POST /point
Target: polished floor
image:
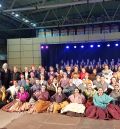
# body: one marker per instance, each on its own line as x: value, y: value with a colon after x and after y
x: 52, y: 121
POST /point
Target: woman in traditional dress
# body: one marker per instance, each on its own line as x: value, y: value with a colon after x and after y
x: 92, y: 76
x: 20, y: 101
x: 76, y: 106
x: 2, y: 96
x: 107, y: 73
x: 64, y: 83
x: 86, y: 80
x: 42, y: 102
x: 102, y: 108
x: 58, y: 101
x: 50, y: 80
x: 53, y: 87
x: 112, y: 85
x: 89, y: 93
x: 116, y: 94
x: 11, y: 95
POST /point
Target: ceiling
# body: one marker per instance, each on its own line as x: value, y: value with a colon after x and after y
x: 35, y: 14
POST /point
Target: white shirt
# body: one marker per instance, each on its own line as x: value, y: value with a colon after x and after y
x: 13, y: 89
x: 76, y: 82
x: 26, y: 75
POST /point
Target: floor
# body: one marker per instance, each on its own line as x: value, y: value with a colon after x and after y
x: 52, y: 121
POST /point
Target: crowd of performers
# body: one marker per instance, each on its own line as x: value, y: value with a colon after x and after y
x: 72, y: 91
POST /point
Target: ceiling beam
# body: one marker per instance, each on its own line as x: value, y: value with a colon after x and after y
x: 56, y: 26
x: 12, y: 4
x: 37, y: 7
x: 16, y: 19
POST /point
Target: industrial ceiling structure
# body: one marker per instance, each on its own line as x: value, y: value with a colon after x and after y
x: 18, y: 16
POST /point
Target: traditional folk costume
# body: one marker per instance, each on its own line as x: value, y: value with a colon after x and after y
x: 42, y: 102
x: 58, y: 102
x: 102, y: 109
x: 76, y: 106
x: 89, y: 96
x: 116, y: 95
x: 19, y: 104
x: 2, y: 98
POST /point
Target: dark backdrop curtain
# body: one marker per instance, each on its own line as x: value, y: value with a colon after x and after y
x: 59, y: 54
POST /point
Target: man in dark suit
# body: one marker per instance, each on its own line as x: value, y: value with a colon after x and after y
x: 5, y: 75
x: 15, y: 75
x: 26, y: 73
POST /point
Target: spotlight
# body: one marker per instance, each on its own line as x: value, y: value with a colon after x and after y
x: 116, y: 44
x: 34, y: 25
x: 23, y: 19
x: 46, y: 47
x: 98, y: 45
x: 42, y: 47
x: 26, y: 21
x: 108, y: 45
x: 75, y: 46
x: 82, y: 46
x: 91, y: 46
x: 0, y: 6
x: 16, y: 15
x: 13, y: 13
x: 67, y: 47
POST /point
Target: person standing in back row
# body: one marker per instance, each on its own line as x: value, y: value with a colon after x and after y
x: 5, y: 75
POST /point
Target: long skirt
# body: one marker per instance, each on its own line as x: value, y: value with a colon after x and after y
x: 16, y: 106
x: 110, y: 112
x: 41, y: 106
x: 58, y: 106
x: 74, y: 107
x: 8, y: 106
x: 20, y: 107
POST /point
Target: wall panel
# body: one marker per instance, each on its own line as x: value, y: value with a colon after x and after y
x: 27, y: 54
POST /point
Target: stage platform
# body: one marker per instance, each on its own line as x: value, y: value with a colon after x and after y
x: 52, y: 121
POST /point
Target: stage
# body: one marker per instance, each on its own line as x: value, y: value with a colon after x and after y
x: 52, y: 121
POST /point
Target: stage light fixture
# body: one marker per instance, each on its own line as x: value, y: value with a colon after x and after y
x: 46, y: 47
x: 26, y: 21
x: 91, y: 46
x: 42, y: 47
x: 116, y: 44
x: 108, y: 45
x: 82, y: 46
x: 98, y: 45
x: 75, y: 46
x: 13, y: 13
x: 67, y: 47
x: 16, y: 15
x: 34, y: 25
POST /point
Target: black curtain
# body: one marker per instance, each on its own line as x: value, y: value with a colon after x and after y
x: 59, y: 54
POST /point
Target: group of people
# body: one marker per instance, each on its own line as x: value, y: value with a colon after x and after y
x: 71, y: 91
x: 90, y: 64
